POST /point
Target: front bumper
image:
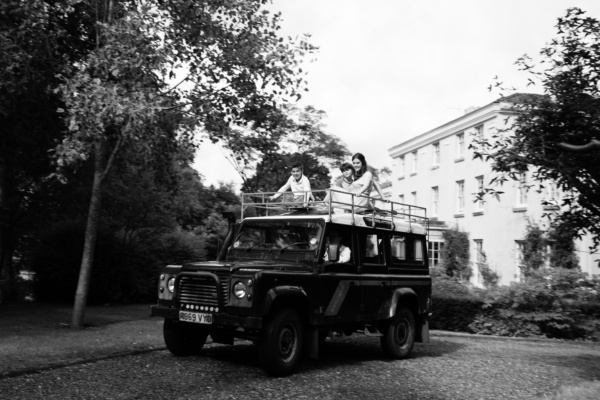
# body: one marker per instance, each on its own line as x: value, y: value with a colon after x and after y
x: 219, y: 319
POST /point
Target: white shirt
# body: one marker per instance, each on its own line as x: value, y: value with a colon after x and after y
x: 302, y: 186
x: 344, y: 256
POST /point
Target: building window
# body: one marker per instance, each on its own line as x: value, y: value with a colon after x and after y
x: 401, y: 166
x: 435, y: 197
x: 479, y: 250
x: 436, y: 154
x: 460, y: 196
x: 522, y: 189
x: 460, y: 145
x: 418, y: 249
x: 435, y: 252
x: 413, y: 198
x: 479, y: 185
x: 398, y: 245
x: 414, y: 162
x: 479, y: 132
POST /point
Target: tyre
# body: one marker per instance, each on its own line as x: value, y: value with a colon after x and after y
x: 280, y: 344
x: 183, y: 339
x: 399, y: 335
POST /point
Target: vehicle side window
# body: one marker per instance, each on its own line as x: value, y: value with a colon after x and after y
x: 418, y: 250
x: 372, y: 249
x: 343, y: 245
x: 398, y: 244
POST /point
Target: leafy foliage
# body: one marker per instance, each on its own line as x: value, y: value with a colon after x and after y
x: 556, y: 302
x: 534, y: 249
x: 455, y: 255
x: 535, y: 246
x: 489, y: 276
x: 123, y: 273
x: 563, y: 254
x: 567, y: 112
x: 299, y: 138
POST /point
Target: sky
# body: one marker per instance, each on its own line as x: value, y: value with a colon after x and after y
x: 389, y: 70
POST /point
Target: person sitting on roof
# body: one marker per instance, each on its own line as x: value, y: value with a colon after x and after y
x: 299, y: 184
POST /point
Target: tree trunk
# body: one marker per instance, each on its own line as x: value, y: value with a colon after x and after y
x: 7, y: 275
x: 91, y: 232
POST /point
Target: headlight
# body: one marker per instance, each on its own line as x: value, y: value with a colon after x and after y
x: 171, y: 284
x: 239, y: 289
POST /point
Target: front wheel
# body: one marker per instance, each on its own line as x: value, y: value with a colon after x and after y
x: 183, y: 339
x: 280, y: 344
x: 399, y: 336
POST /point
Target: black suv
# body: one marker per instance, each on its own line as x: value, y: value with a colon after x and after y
x: 291, y: 275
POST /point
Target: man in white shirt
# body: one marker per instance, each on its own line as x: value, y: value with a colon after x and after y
x: 299, y: 184
x: 344, y: 252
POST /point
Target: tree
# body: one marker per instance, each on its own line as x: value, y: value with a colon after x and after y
x: 37, y: 40
x: 563, y: 253
x: 567, y: 113
x: 237, y: 70
x: 299, y: 137
x: 455, y: 255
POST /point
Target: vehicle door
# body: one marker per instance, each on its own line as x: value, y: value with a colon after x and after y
x: 374, y: 272
x: 409, y: 267
x: 340, y: 292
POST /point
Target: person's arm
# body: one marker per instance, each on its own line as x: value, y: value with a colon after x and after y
x: 378, y: 188
x: 282, y: 189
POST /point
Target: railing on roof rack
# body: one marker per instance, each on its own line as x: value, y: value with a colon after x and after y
x: 332, y: 201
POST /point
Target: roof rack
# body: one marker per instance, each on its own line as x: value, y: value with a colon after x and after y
x: 374, y: 211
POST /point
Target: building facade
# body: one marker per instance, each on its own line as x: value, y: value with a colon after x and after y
x: 436, y: 170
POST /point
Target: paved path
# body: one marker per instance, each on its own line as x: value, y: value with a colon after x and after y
x: 451, y: 367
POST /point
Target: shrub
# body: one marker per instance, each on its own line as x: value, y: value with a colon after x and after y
x: 555, y: 303
x: 454, y: 313
x: 489, y: 276
x: 121, y: 272
x: 455, y: 254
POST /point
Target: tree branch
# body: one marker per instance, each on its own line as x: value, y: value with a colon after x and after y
x: 593, y: 144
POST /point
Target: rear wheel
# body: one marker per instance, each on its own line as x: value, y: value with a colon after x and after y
x: 183, y: 339
x: 280, y: 344
x: 399, y: 336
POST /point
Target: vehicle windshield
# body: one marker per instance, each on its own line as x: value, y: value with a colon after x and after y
x: 280, y: 236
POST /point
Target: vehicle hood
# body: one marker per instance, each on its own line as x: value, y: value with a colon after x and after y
x: 232, y: 266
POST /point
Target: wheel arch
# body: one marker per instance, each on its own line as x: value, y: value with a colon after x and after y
x: 407, y: 297
x: 286, y: 296
x: 404, y: 297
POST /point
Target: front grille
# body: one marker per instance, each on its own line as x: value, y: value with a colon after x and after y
x: 203, y: 290
x: 224, y: 278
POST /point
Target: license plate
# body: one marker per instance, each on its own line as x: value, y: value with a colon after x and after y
x: 195, y: 317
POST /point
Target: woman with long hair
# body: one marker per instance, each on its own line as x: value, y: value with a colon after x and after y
x: 364, y: 182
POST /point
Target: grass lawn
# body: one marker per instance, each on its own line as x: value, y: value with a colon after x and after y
x: 36, y: 335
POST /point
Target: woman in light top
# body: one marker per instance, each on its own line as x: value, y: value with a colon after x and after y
x: 364, y: 182
x: 361, y: 187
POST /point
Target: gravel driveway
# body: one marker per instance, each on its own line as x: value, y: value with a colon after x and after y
x: 451, y: 367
